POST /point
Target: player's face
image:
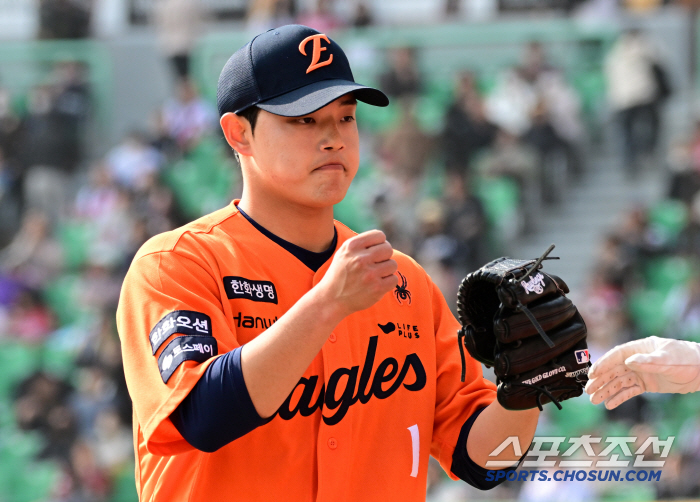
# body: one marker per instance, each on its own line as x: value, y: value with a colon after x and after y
x: 308, y: 160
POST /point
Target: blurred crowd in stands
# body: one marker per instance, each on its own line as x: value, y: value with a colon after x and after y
x: 453, y: 198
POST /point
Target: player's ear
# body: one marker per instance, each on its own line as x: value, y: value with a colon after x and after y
x: 237, y: 131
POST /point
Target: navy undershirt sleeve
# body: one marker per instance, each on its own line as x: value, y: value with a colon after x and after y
x: 466, y: 469
x: 218, y: 409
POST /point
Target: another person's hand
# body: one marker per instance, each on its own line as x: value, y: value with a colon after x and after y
x: 361, y: 273
x: 648, y: 365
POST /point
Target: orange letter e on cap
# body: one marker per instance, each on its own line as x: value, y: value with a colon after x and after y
x: 316, y: 55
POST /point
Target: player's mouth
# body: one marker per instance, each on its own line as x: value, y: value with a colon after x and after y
x: 330, y: 167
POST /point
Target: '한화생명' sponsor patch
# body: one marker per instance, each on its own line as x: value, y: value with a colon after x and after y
x: 185, y: 348
x: 249, y: 289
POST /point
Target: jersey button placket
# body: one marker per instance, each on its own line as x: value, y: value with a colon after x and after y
x: 332, y: 443
x: 333, y: 338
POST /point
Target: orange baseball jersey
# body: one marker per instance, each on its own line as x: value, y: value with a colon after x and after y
x: 382, y: 395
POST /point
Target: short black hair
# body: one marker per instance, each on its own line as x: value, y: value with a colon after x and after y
x: 251, y: 115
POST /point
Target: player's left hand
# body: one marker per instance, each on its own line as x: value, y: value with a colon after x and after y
x: 517, y: 318
x: 648, y: 365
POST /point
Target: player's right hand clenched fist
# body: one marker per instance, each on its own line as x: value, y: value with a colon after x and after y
x: 362, y: 271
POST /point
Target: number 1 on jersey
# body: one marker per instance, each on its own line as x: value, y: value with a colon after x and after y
x: 415, y: 443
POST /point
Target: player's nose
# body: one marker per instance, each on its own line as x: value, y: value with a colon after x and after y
x: 332, y: 138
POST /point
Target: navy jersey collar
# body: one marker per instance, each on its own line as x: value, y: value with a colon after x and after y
x: 312, y: 260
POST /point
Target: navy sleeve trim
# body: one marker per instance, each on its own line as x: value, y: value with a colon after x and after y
x: 466, y: 469
x: 218, y: 409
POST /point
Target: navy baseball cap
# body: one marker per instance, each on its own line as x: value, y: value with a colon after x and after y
x: 291, y: 71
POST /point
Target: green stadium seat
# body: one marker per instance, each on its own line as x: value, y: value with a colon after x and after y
x: 202, y: 181
x: 668, y: 218
x: 75, y: 238
x: 577, y: 416
x: 647, y: 311
x: 501, y: 199
x: 377, y: 119
x: 355, y: 210
x: 17, y: 361
x: 61, y: 297
x: 665, y: 274
x: 431, y: 115
x: 36, y: 481
x: 124, y: 486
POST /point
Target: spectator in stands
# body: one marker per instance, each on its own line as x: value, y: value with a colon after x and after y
x: 29, y: 320
x: 466, y: 129
x: 538, y: 89
x: 133, y: 161
x: 510, y: 103
x: 322, y: 17
x: 435, y: 249
x: 33, y: 257
x: 111, y: 237
x: 41, y: 405
x: 10, y: 199
x: 86, y: 480
x: 402, y: 79
x: 689, y: 238
x: 685, y: 323
x: 71, y: 107
x: 363, y: 15
x: 634, y: 96
x: 265, y: 14
x: 112, y: 442
x: 154, y: 204
x: 405, y: 149
x: 9, y: 126
x: 64, y: 19
x: 465, y: 222
x: 638, y: 239
x: 44, y: 158
x: 615, y: 263
x: 98, y: 197
x: 534, y: 63
x: 509, y: 157
x: 188, y: 117
x: 451, y: 8
x: 683, y: 162
x: 160, y: 138
x: 178, y: 24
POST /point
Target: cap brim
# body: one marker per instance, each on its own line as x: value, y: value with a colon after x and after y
x: 314, y: 96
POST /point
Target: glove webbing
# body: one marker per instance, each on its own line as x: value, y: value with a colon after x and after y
x: 524, y: 309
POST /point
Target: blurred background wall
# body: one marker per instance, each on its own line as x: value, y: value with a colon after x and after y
x: 512, y: 124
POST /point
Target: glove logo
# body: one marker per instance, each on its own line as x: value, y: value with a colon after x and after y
x: 534, y: 285
x: 401, y: 292
x: 582, y: 356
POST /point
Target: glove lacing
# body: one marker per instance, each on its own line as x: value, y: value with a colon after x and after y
x: 461, y: 334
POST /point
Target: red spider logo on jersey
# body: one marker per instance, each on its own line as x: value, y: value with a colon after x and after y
x: 401, y: 292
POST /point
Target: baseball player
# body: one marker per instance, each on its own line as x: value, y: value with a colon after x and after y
x: 650, y: 364
x: 273, y: 354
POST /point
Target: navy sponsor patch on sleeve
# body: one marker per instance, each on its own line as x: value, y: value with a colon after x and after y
x: 248, y: 289
x: 185, y: 322
x: 185, y: 348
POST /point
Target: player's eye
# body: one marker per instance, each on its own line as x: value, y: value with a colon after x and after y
x: 348, y: 118
x: 305, y: 120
